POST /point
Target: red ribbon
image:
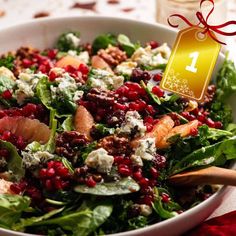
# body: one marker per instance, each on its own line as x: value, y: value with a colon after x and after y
x: 206, y: 27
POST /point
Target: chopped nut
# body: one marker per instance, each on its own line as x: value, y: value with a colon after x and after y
x: 112, y: 55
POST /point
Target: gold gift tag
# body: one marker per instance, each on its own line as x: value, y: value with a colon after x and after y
x: 191, y: 64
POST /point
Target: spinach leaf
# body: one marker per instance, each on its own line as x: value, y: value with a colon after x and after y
x: 65, y: 43
x: 81, y: 222
x: 14, y: 163
x: 87, y: 149
x: 126, y: 45
x: 7, y: 61
x: 33, y: 220
x: 120, y: 187
x: 215, y: 154
x: 11, y: 207
x: 103, y: 130
x: 151, y: 95
x: 103, y: 41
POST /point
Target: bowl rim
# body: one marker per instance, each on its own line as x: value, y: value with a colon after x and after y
x: 222, y: 191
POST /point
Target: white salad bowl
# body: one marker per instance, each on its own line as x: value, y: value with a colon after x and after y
x: 42, y: 33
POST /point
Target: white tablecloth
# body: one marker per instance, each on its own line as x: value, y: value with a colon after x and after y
x: 16, y: 11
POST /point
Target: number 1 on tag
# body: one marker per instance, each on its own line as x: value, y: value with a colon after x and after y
x: 193, y: 68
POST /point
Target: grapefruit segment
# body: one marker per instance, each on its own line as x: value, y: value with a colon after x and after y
x: 98, y: 63
x: 69, y: 60
x: 30, y: 129
x: 83, y: 121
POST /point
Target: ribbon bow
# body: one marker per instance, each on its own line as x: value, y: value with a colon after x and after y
x: 207, y: 28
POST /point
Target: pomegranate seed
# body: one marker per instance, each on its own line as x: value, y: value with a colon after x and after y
x: 133, y: 86
x: 57, y: 183
x: 165, y: 198
x: 126, y: 161
x: 210, y: 123
x: 2, y: 114
x: 52, y: 53
x: 122, y: 90
x: 137, y: 175
x: 7, y: 94
x: 149, y: 127
x: 195, y: 111
x: 43, y: 173
x: 153, y: 182
x: 150, y: 109
x: 57, y: 164
x: 20, y: 143
x: 50, y: 172
x: 50, y: 164
x: 144, y: 182
x: 153, y: 44
x: 147, y: 200
x: 26, y: 63
x: 193, y: 131
x: 201, y: 117
x: 118, y: 106
x: 148, y: 119
x: 6, y: 135
x: 90, y: 182
x: 133, y: 95
x: 124, y: 171
x: 154, y: 173
x: 48, y: 184
x: 218, y: 125
x: 142, y: 104
x: 63, y: 172
x: 4, y: 153
x: 52, y: 76
x: 65, y: 184
x: 43, y: 69
x: 83, y: 69
x: 70, y: 69
x: 134, y: 106
x: 157, y: 77
x: 157, y: 91
x: 118, y: 159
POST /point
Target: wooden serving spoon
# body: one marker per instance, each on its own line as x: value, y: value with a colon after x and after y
x: 210, y: 175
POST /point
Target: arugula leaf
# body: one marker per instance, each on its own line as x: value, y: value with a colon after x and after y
x: 120, y: 187
x: 127, y: 46
x: 103, y: 130
x: 14, y: 163
x: 103, y: 41
x: 87, y: 149
x: 149, y: 92
x: 11, y: 208
x: 7, y: 61
x: 65, y: 44
x: 215, y: 154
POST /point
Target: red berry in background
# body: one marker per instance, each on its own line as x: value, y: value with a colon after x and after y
x: 153, y: 44
x: 52, y: 76
x: 165, y: 197
x: 52, y: 53
x: 26, y: 63
x: 7, y: 94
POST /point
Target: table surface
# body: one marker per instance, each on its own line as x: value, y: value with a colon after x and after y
x: 12, y: 12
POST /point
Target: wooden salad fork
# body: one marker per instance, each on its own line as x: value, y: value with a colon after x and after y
x: 210, y: 175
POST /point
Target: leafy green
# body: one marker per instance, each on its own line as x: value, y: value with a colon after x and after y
x: 87, y: 149
x: 65, y: 44
x: 103, y: 130
x: 11, y: 208
x: 7, y: 61
x: 103, y: 41
x: 120, y: 187
x: 161, y: 209
x: 33, y: 220
x: 63, y: 103
x: 226, y: 80
x: 137, y: 222
x: 154, y: 97
x: 215, y: 154
x: 14, y: 163
x: 81, y: 222
x: 67, y: 124
x: 126, y: 45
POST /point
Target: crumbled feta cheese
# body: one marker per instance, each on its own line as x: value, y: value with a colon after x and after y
x: 133, y: 124
x: 146, y: 149
x: 67, y: 82
x: 73, y: 39
x: 126, y: 67
x: 26, y: 85
x: 84, y: 56
x: 164, y: 50
x: 7, y: 73
x: 105, y: 80
x: 32, y: 160
x: 145, y: 210
x: 148, y: 57
x: 72, y: 53
x: 136, y: 160
x: 78, y: 95
x: 100, y: 160
x: 57, y: 70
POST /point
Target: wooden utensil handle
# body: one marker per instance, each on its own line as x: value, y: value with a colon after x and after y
x: 210, y: 175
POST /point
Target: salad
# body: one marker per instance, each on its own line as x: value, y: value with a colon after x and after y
x: 88, y: 139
